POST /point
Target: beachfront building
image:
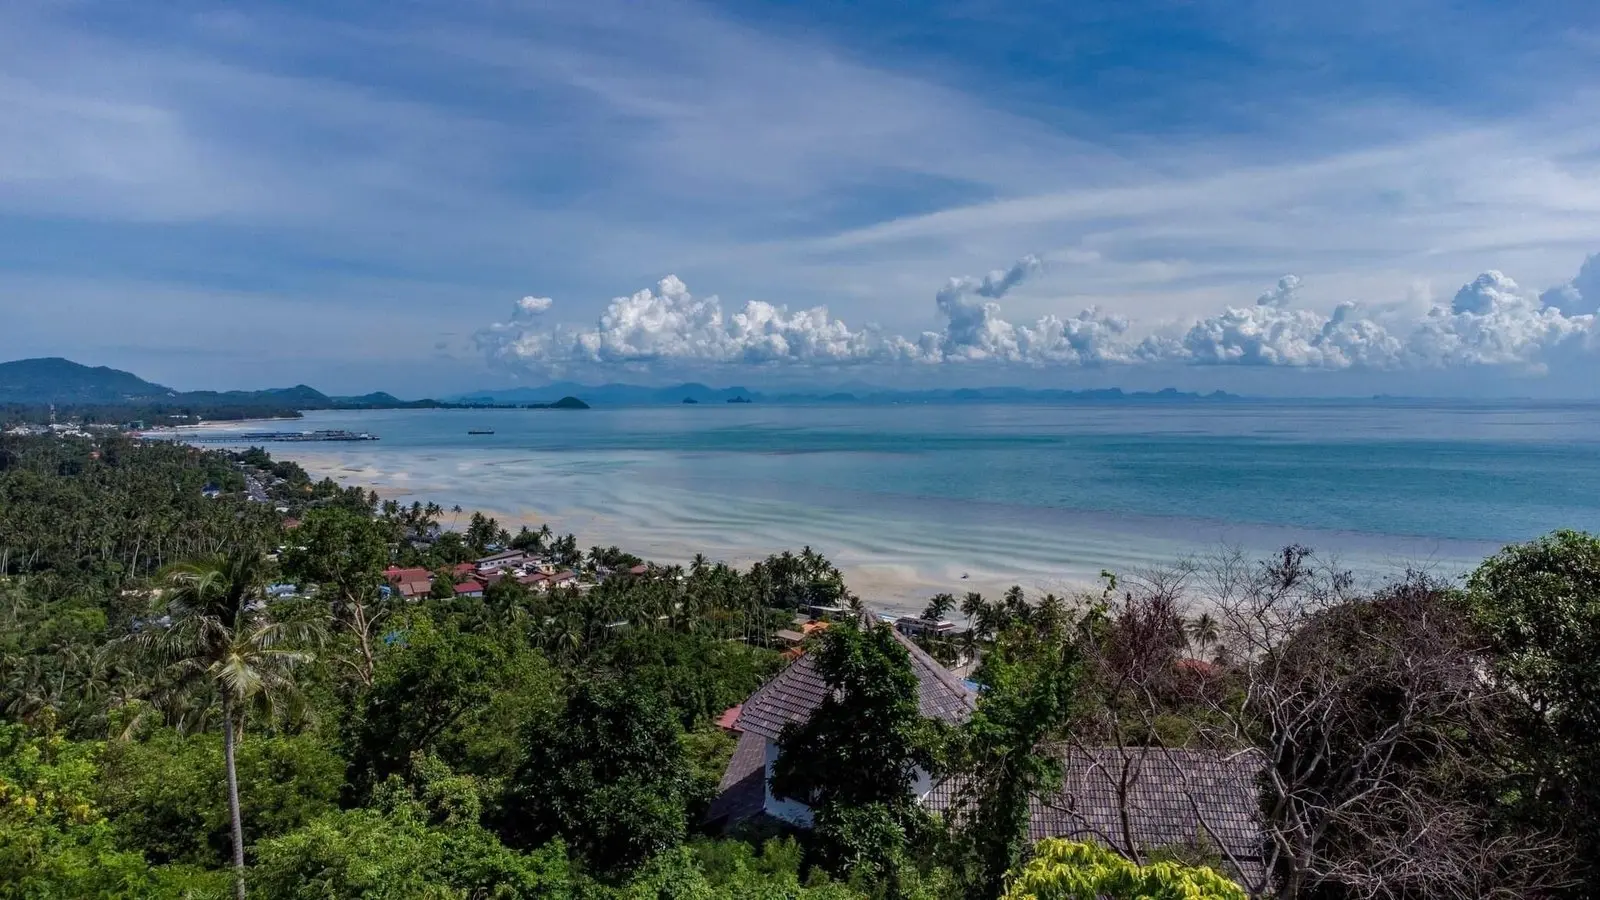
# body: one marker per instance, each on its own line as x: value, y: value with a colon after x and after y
x: 916, y: 626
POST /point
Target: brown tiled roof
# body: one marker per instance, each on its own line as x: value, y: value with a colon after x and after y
x: 798, y: 690
x: 1172, y: 797
x: 398, y: 575
x: 743, y: 790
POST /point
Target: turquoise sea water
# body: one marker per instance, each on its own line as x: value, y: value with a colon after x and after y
x: 910, y: 497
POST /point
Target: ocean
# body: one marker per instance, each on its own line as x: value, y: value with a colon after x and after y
x: 910, y: 500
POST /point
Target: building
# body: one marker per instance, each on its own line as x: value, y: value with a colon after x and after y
x: 916, y: 626
x: 793, y: 696
x: 1127, y: 798
x: 1139, y: 799
x: 469, y: 589
x: 411, y: 583
x: 510, y: 559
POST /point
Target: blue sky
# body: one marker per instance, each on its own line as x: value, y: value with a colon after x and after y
x: 357, y: 195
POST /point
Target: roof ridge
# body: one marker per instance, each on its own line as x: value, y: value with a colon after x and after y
x: 946, y: 677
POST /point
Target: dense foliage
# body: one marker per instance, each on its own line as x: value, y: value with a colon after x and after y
x: 208, y: 685
x: 1067, y: 870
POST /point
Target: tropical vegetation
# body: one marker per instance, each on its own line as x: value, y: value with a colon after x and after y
x: 210, y: 688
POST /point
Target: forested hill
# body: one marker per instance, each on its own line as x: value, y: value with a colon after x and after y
x: 37, y: 382
x: 63, y: 381
x: 28, y: 387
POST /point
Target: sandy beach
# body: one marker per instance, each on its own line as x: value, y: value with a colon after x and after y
x: 909, y: 502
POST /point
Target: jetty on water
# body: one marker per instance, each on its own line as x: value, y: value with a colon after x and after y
x: 283, y: 437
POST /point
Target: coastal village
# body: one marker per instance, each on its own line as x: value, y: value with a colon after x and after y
x: 1143, y: 759
x: 1126, y: 798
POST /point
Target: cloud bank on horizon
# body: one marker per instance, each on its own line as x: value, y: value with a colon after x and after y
x: 344, y: 194
x: 1489, y: 322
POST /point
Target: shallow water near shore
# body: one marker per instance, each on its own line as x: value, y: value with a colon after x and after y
x: 909, y: 498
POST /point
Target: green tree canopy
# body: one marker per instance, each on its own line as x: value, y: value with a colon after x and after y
x: 54, y: 842
x: 1539, y: 605
x: 1030, y: 680
x: 458, y: 694
x: 160, y: 792
x: 856, y: 759
x: 608, y: 775
x: 1068, y: 870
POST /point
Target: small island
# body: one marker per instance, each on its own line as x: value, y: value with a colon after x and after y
x: 738, y: 399
x: 690, y: 400
x: 568, y: 403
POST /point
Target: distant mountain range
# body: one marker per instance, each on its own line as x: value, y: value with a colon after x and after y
x: 63, y: 383
x: 693, y: 392
x: 33, y: 382
x: 70, y: 385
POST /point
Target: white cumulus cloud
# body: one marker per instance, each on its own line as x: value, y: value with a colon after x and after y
x: 1581, y: 295
x: 1488, y: 322
x: 1493, y: 322
x: 1274, y: 332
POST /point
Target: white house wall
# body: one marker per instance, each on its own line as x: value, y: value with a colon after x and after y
x: 799, y: 814
x: 792, y: 811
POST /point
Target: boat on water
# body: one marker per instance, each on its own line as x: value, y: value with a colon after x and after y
x: 480, y: 432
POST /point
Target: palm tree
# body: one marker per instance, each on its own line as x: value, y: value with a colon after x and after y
x: 1202, y: 631
x: 939, y: 606
x: 221, y: 644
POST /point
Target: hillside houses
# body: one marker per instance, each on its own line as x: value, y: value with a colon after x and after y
x: 1131, y: 799
x: 474, y: 578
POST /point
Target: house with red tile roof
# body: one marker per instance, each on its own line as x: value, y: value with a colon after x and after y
x: 396, y: 575
x: 469, y: 589
x: 413, y: 590
x: 410, y: 583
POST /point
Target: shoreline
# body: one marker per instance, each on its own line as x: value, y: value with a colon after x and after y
x: 213, y: 423
x: 885, y: 585
x: 668, y: 502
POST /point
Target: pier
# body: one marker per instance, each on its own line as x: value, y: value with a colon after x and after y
x: 283, y: 437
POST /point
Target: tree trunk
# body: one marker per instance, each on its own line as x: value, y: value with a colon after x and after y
x: 233, y: 798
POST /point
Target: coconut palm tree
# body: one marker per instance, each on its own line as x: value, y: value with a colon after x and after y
x: 939, y: 606
x: 221, y: 646
x: 1202, y: 632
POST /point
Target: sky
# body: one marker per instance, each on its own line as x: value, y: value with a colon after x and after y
x: 1396, y: 196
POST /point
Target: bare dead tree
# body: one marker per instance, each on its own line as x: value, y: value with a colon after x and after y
x: 1370, y: 715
